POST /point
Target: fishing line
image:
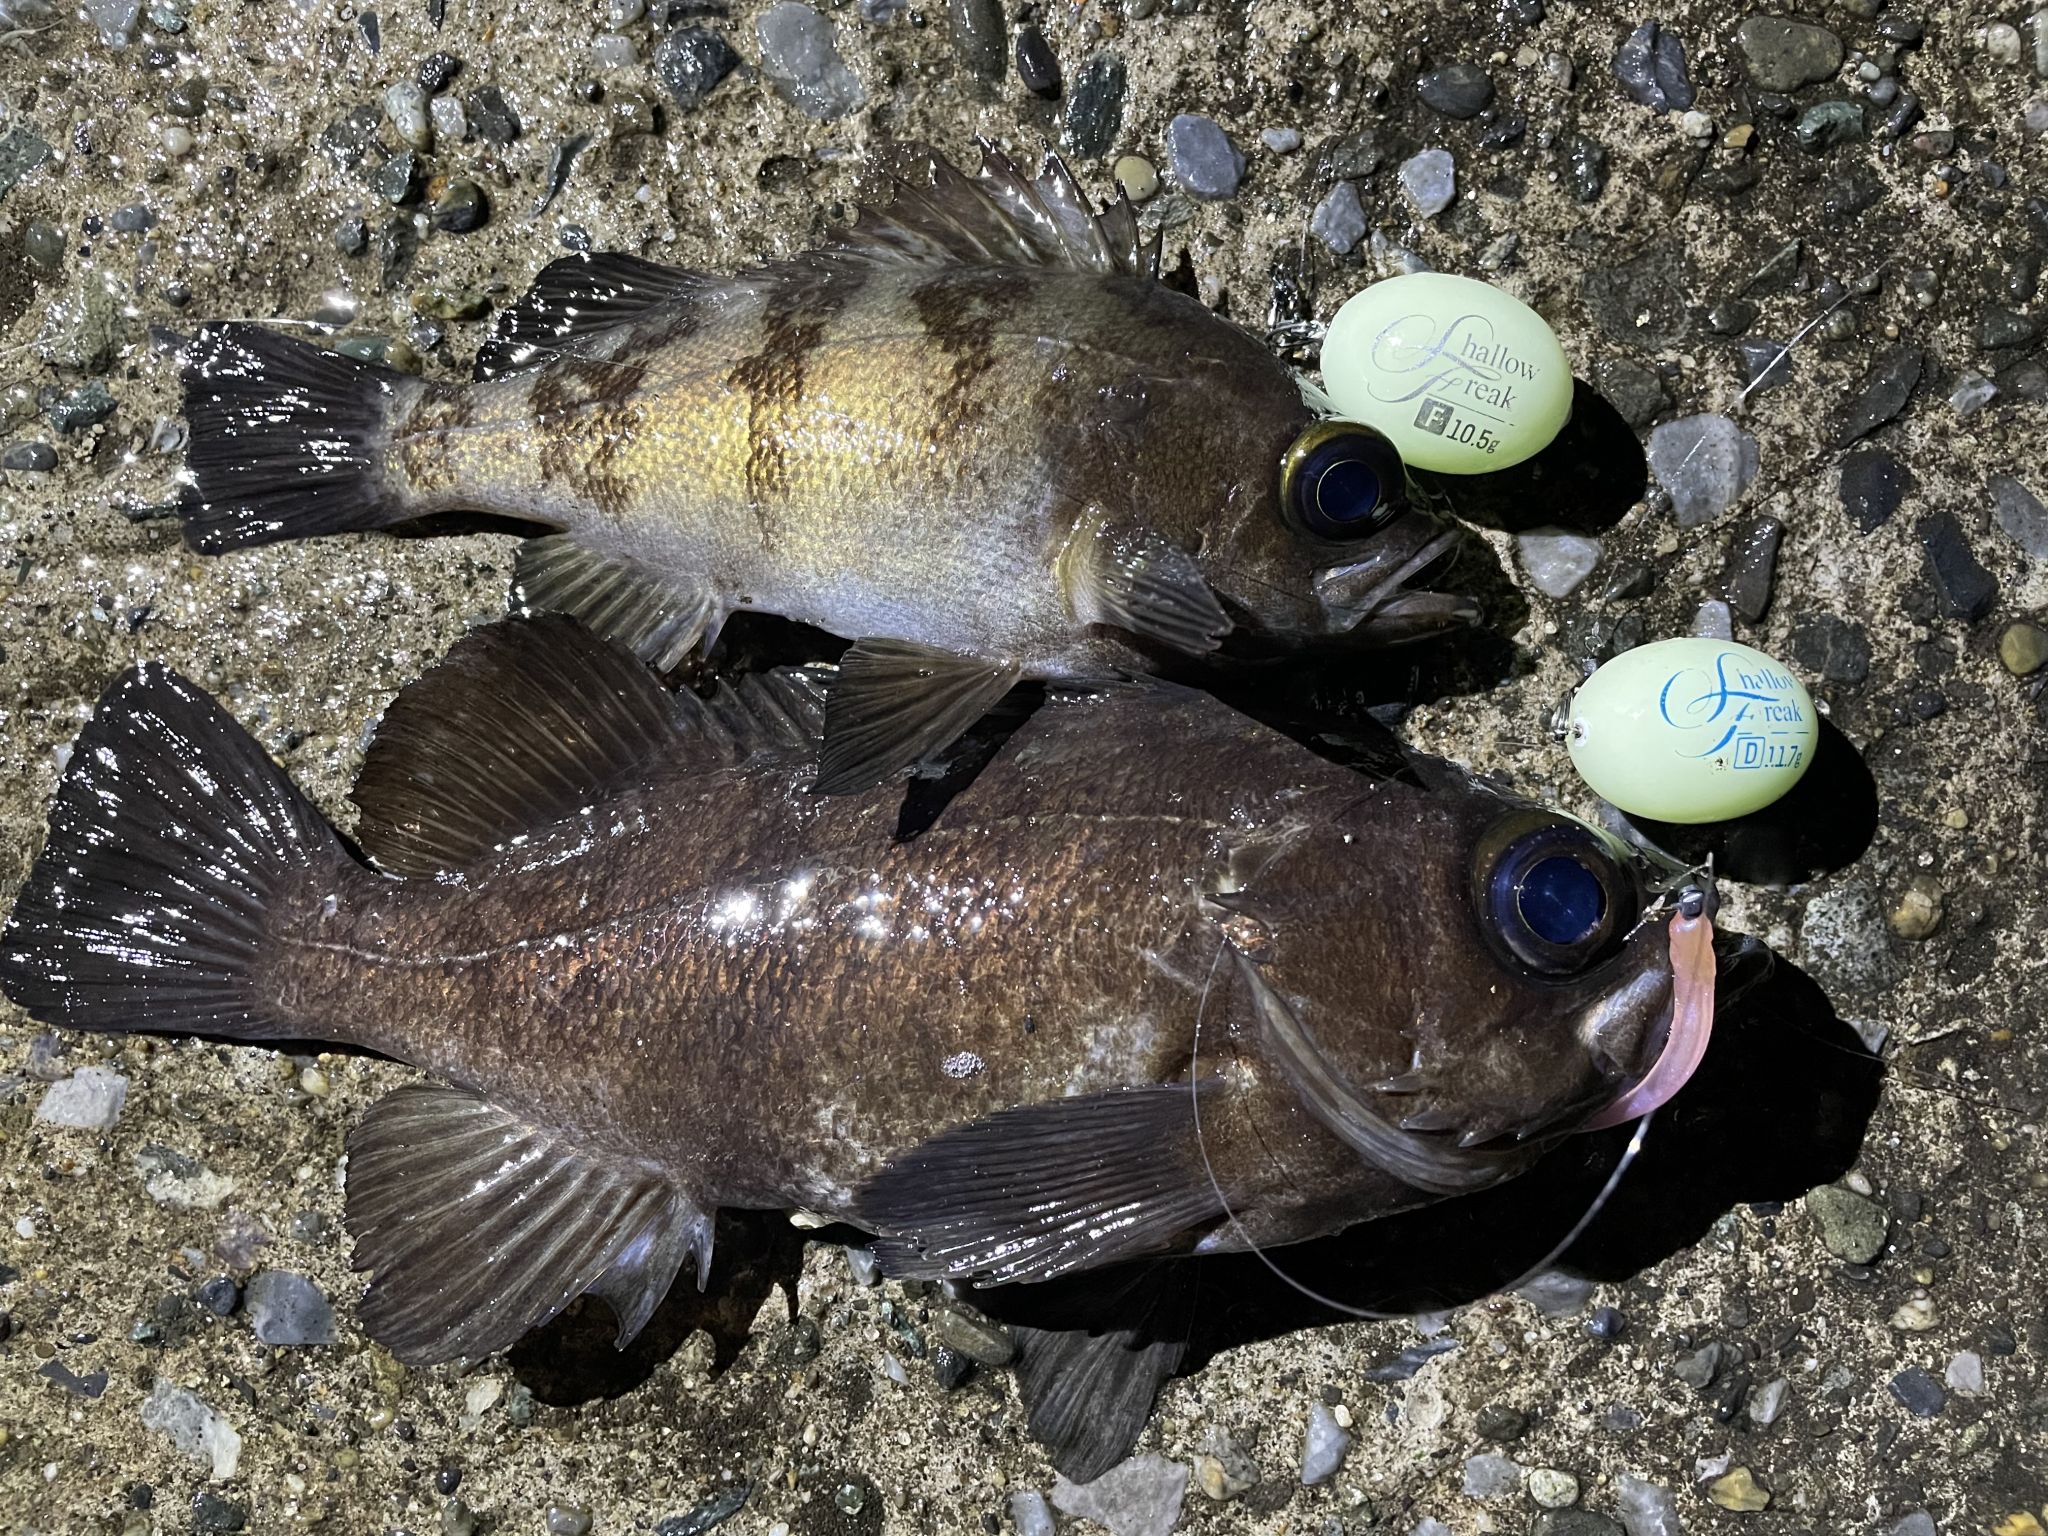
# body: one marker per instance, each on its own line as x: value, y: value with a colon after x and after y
x: 1628, y: 1156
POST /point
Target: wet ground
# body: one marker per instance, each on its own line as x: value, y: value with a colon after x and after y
x: 1866, y: 186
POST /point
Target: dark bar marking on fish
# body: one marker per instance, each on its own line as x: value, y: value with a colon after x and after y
x: 801, y: 301
x: 441, y: 411
x: 961, y: 311
x: 587, y: 412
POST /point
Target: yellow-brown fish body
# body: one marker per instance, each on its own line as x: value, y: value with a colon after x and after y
x: 974, y: 435
x: 659, y: 977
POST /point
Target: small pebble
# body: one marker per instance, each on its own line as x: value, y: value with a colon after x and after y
x: 1339, y: 219
x: 1698, y: 1367
x: 2023, y: 648
x: 690, y: 62
x: 288, y: 1310
x: 1918, y: 912
x: 86, y: 406
x: 1137, y: 176
x: 1457, y: 90
x: 1780, y: 54
x: 2002, y: 43
x: 89, y: 1100
x: 1919, y: 1392
x: 211, y: 1512
x: 1766, y: 365
x: 1738, y: 1489
x: 1204, y: 161
x: 978, y: 35
x: 1751, y: 570
x: 611, y: 52
x: 1916, y: 1315
x: 800, y: 57
x: 1038, y: 67
x: 1585, y: 167
x: 1646, y: 1508
x: 1965, y: 1374
x: 1552, y: 1489
x: 2020, y: 515
x: 1967, y: 591
x: 1282, y: 141
x: 985, y: 1342
x: 450, y: 120
x: 1490, y: 1477
x: 1972, y: 393
x: 1430, y: 180
x: 1556, y: 560
x: 406, y: 105
x: 193, y: 1428
x: 1095, y: 106
x: 1030, y: 1514
x: 1325, y: 1447
x: 1138, y: 1497
x: 221, y: 1295
x: 32, y: 458
x: 352, y: 236
x: 1768, y: 1401
x: 568, y: 1520
x: 495, y: 121
x: 436, y: 70
x: 1828, y: 124
x: 1500, y: 1423
x: 1651, y: 67
x: 1883, y: 394
x: 1851, y: 1228
x: 1706, y: 462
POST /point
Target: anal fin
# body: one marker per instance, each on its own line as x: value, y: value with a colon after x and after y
x: 479, y: 1225
x: 1141, y: 581
x: 1033, y: 1192
x: 893, y: 701
x: 657, y: 615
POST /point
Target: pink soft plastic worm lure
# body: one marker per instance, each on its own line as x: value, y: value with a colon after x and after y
x: 1692, y: 1022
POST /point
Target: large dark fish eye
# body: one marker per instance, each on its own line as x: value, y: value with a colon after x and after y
x: 1550, y: 892
x: 1342, y: 481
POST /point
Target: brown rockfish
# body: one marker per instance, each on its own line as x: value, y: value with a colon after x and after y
x: 1156, y: 980
x: 975, y: 435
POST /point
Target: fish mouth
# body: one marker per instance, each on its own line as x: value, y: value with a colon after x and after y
x: 1377, y: 601
x: 1708, y: 970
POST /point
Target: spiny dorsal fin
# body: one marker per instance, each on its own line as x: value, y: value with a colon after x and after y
x: 528, y: 721
x: 940, y: 217
x: 479, y: 1226
x: 582, y: 297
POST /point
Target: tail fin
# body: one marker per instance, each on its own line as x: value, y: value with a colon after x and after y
x: 171, y: 833
x: 287, y: 440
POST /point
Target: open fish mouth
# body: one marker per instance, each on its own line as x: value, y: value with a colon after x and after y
x: 1377, y: 601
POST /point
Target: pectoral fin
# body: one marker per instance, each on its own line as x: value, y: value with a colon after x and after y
x: 1029, y: 1193
x: 479, y: 1226
x: 657, y: 615
x: 893, y: 701
x: 1141, y: 581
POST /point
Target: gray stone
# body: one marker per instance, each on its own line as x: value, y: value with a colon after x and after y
x: 1282, y: 141
x: 1138, y: 1497
x: 1781, y: 54
x: 2020, y: 515
x: 1826, y: 124
x: 288, y: 1310
x: 1650, y: 64
x: 86, y: 406
x: 1752, y: 567
x: 978, y: 35
x: 1038, y: 67
x: 1919, y: 1392
x: 1636, y: 392
x: 1646, y: 1508
x: 976, y: 1337
x: 495, y: 121
x: 1339, y: 220
x: 1205, y: 163
x: 1029, y: 1514
x: 800, y: 57
x: 1851, y: 1227
x: 1767, y: 1402
x: 1555, y: 1293
x: 1844, y: 942
x: 1965, y: 1374
x: 1430, y: 180
x: 690, y: 62
x: 1697, y: 1368
x: 193, y: 1428
x: 1998, y: 327
x: 568, y: 1520
x: 1557, y: 560
x: 1972, y: 393
x: 1705, y: 462
x: 116, y: 20
x: 88, y: 1100
x: 1492, y: 1477
x: 1095, y: 106
x: 34, y: 458
x: 1458, y: 90
x: 406, y: 105
x: 1713, y: 620
x: 1914, y: 1523
x: 1766, y: 364
x: 1324, y: 1449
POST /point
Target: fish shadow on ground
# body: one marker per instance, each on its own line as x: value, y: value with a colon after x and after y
x: 1779, y: 1105
x: 1585, y: 479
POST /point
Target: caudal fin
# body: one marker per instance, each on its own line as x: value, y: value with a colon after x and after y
x: 287, y: 440
x: 171, y: 834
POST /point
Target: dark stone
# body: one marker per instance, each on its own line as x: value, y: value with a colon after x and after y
x: 86, y: 406
x: 1651, y: 67
x: 133, y: 220
x: 1641, y: 300
x: 709, y: 1515
x: 1927, y: 705
x: 448, y: 1479
x: 2025, y: 380
x: 397, y: 179
x: 43, y: 243
x: 436, y: 70
x: 1585, y: 167
x: 1780, y: 54
x: 1458, y: 90
x: 561, y: 160
x: 1410, y: 1360
x: 1873, y: 485
x: 1037, y: 65
x: 352, y: 236
x: 1630, y: 580
x: 1776, y: 275
x: 574, y: 237
x: 460, y: 208
x: 1835, y: 648
x: 1996, y: 327
x: 1507, y: 128
x: 1752, y: 567
x: 221, y: 1295
x: 951, y: 1367
x: 348, y: 138
x: 1766, y: 364
x: 1920, y: 1392
x: 1843, y: 197
x: 211, y: 1512
x: 1606, y: 1324
x: 1572, y: 1522
x: 33, y: 458
x: 1499, y: 1423
x: 187, y: 98
x: 2000, y: 1340
x: 690, y: 62
x: 1884, y: 393
x: 978, y: 35
x: 398, y: 245
x: 1635, y: 392
x: 492, y: 116
x: 91, y: 1386
x: 1965, y: 588
x: 1731, y: 317
x: 1095, y: 106
x: 372, y: 30
x: 1902, y: 114
x: 1827, y: 124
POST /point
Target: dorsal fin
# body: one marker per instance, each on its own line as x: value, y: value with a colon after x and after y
x: 580, y: 298
x: 527, y: 721
x: 940, y: 217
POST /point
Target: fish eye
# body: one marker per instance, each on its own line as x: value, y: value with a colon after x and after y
x: 1550, y: 892
x: 1342, y: 481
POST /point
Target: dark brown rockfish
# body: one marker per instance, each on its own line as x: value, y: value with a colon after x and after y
x: 975, y: 435
x: 652, y: 976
